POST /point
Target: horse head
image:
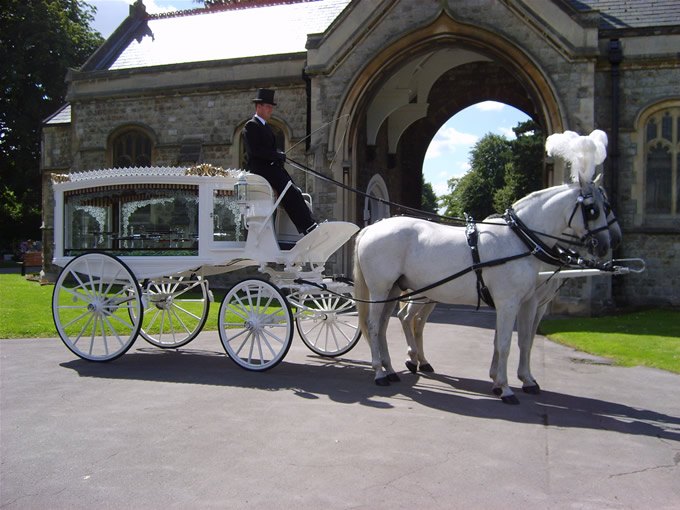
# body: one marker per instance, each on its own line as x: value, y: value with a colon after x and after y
x: 591, y: 217
x: 588, y: 219
x: 615, y: 234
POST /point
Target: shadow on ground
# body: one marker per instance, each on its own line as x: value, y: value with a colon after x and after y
x: 350, y: 381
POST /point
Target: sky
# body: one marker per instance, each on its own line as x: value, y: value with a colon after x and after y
x: 448, y: 153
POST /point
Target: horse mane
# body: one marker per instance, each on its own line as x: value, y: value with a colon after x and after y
x: 545, y: 195
x: 584, y: 153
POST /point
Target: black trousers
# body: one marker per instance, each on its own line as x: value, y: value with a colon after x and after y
x: 293, y: 201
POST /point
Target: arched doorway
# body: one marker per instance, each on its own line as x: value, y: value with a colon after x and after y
x: 375, y: 201
x: 407, y: 92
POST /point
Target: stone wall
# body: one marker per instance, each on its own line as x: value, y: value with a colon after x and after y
x: 659, y: 285
x: 347, y: 66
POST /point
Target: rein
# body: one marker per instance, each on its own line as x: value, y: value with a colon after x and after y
x: 405, y: 297
x: 531, y: 239
x: 556, y: 256
x: 567, y: 239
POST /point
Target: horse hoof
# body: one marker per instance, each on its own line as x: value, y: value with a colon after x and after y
x: 382, y: 381
x: 393, y: 378
x: 510, y: 399
x: 497, y: 391
x: 534, y: 389
x: 426, y: 368
x: 411, y: 367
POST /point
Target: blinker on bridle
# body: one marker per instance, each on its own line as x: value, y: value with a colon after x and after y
x: 590, y: 212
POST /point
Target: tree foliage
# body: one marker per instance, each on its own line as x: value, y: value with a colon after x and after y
x: 428, y: 202
x: 524, y: 171
x: 501, y: 172
x: 39, y: 41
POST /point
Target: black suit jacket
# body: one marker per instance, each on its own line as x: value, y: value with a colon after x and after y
x: 260, y: 145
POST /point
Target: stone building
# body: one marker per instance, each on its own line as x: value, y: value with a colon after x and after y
x: 364, y: 85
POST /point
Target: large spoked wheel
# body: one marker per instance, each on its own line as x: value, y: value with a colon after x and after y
x: 328, y: 323
x: 175, y: 311
x: 255, y: 325
x: 97, y: 307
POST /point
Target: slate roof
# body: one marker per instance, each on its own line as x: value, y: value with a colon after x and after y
x: 621, y: 14
x: 61, y: 116
x: 203, y: 35
x: 273, y: 27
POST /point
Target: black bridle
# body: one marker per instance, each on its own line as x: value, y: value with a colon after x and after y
x: 590, y: 211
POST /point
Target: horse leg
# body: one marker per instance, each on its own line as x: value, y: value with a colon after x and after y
x: 493, y: 369
x: 505, y: 320
x: 406, y: 319
x: 413, y: 318
x: 373, y: 336
x: 420, y: 321
x: 528, y: 318
x: 380, y: 313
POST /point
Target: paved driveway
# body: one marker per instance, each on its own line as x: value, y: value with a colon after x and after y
x: 190, y: 429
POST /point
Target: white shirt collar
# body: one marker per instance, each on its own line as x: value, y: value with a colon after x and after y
x: 260, y: 119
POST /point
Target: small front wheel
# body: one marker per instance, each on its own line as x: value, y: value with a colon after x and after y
x: 328, y: 323
x: 97, y: 307
x: 255, y: 325
x: 175, y: 310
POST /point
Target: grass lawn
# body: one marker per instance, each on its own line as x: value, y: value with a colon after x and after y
x: 649, y: 338
x: 26, y: 309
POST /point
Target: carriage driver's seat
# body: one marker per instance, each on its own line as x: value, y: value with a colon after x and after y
x: 286, y: 233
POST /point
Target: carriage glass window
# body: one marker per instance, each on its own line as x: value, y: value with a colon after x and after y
x: 227, y: 223
x: 662, y: 164
x: 139, y: 219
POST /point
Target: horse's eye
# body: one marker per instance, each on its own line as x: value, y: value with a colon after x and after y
x: 592, y: 212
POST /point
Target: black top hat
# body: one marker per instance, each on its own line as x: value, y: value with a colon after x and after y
x: 265, y: 96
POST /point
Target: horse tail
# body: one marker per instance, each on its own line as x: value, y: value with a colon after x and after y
x: 360, y: 289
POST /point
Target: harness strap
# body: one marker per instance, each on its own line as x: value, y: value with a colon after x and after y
x: 538, y: 248
x: 472, y: 235
x: 481, y: 265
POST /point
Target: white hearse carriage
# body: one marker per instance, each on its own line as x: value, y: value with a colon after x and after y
x: 136, y: 245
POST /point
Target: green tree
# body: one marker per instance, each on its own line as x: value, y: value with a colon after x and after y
x: 524, y: 172
x: 448, y: 201
x: 39, y: 41
x: 501, y: 172
x: 473, y: 193
x: 428, y: 202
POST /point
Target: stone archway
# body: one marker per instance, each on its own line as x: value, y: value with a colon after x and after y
x: 409, y: 90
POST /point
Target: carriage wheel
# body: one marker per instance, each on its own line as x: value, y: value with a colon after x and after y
x: 255, y: 325
x: 97, y: 307
x: 175, y: 311
x: 328, y: 323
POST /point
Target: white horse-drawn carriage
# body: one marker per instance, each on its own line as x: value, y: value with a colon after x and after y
x: 137, y: 244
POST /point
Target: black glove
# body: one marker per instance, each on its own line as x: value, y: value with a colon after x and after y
x: 281, y: 156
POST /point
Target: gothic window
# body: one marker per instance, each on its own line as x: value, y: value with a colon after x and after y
x: 131, y: 147
x: 662, y: 163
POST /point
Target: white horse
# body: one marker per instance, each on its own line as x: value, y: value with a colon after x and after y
x: 406, y: 253
x: 413, y: 316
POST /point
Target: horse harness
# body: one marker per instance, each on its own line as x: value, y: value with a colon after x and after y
x: 472, y: 236
x: 555, y: 256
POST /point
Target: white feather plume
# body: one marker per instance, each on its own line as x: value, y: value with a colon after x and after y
x: 583, y: 152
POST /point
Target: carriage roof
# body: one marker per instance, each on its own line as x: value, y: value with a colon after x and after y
x: 155, y: 174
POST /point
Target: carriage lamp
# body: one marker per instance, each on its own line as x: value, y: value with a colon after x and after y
x: 241, y: 191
